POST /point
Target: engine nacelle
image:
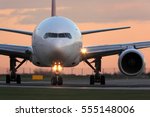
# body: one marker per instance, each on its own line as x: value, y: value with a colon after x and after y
x: 131, y: 62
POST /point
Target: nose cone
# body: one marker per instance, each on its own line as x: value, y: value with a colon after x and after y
x: 57, y: 50
x: 56, y: 45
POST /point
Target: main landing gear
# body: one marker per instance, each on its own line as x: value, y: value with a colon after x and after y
x: 97, y: 77
x: 13, y: 76
x: 57, y: 79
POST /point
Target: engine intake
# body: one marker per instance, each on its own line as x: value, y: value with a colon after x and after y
x: 131, y: 62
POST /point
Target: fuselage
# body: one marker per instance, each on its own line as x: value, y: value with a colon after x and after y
x: 56, y: 39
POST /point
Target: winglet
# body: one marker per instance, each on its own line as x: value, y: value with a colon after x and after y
x: 53, y: 8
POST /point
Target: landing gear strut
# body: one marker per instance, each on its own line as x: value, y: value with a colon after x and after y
x: 98, y: 77
x: 13, y: 76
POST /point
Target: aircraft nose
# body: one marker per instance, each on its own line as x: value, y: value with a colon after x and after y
x: 57, y: 45
x: 57, y: 50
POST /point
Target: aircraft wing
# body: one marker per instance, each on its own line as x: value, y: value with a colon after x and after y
x: 17, y: 31
x: 24, y: 52
x: 107, y: 50
x: 83, y: 32
x: 102, y: 30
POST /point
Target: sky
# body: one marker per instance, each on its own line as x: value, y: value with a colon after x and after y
x: 88, y: 14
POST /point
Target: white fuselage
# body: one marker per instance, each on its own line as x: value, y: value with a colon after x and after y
x: 56, y: 39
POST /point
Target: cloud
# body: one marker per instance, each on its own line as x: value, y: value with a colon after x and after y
x: 103, y: 11
x: 21, y: 4
x: 33, y: 17
x: 109, y: 11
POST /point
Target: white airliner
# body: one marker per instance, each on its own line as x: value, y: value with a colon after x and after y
x: 57, y: 43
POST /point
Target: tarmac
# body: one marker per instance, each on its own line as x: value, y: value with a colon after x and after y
x: 83, y: 84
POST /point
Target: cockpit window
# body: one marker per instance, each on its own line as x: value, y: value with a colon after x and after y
x: 61, y: 35
x: 57, y: 35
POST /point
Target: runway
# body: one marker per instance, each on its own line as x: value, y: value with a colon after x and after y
x: 83, y: 84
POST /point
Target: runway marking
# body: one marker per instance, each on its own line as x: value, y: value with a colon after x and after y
x: 77, y: 88
x: 142, y: 84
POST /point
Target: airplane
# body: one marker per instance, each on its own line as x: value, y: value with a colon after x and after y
x: 57, y: 43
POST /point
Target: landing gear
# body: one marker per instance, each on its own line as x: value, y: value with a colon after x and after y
x: 92, y: 80
x: 60, y: 80
x: 102, y: 80
x: 7, y: 79
x: 54, y: 80
x: 18, y: 80
x: 57, y: 80
x: 97, y: 78
x: 13, y: 76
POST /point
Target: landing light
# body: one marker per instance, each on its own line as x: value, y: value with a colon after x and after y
x: 83, y: 50
x: 57, y: 67
x: 54, y: 68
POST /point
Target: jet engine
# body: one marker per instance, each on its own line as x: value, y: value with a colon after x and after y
x: 131, y: 62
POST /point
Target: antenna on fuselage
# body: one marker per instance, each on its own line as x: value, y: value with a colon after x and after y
x: 53, y: 8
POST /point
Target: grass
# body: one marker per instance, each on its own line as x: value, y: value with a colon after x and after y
x: 71, y: 94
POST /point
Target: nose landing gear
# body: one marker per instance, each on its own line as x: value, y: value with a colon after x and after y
x: 57, y: 79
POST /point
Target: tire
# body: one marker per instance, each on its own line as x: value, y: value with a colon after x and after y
x: 54, y: 81
x: 60, y: 80
x: 92, y: 80
x: 18, y: 80
x: 13, y: 77
x: 102, y: 80
x: 7, y: 79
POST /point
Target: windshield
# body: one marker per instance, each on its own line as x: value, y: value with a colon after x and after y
x: 57, y: 35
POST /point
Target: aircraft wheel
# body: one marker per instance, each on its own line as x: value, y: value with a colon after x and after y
x: 18, y: 80
x: 102, y: 80
x: 60, y: 80
x: 7, y: 79
x: 54, y: 81
x: 92, y: 80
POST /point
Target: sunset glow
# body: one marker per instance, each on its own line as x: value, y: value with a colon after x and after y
x: 95, y: 14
